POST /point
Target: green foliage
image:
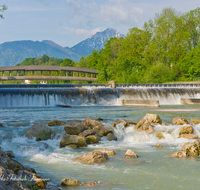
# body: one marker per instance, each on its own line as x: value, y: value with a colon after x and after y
x: 165, y: 49
x: 2, y: 8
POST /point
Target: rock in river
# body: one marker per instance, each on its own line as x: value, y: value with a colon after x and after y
x: 130, y: 154
x: 55, y: 122
x: 180, y: 121
x: 74, y: 127
x: 39, y: 131
x: 73, y: 139
x: 92, y: 157
x: 144, y: 125
x: 70, y: 182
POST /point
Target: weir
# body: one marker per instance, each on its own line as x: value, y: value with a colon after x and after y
x: 96, y: 94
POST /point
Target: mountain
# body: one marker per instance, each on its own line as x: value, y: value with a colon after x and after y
x: 12, y: 53
x: 96, y: 42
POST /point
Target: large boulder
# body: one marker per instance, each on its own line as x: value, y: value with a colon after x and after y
x: 130, y: 154
x: 1, y: 124
x: 89, y: 123
x: 70, y: 182
x: 144, y: 125
x: 195, y: 121
x: 192, y: 148
x: 186, y: 130
x: 74, y: 127
x: 39, y: 131
x: 111, y: 137
x: 92, y: 139
x: 102, y: 130
x: 92, y: 157
x: 189, y: 136
x: 87, y: 132
x: 153, y: 119
x: 107, y: 151
x: 55, y: 122
x: 180, y: 121
x: 73, y: 139
x: 160, y: 136
x: 180, y: 154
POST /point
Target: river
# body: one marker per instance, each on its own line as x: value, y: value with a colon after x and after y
x: 153, y: 169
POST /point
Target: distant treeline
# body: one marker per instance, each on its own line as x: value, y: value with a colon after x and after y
x: 166, y: 49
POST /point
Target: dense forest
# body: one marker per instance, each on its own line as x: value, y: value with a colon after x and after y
x: 166, y: 49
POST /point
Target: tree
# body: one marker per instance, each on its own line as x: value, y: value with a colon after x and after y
x: 2, y: 8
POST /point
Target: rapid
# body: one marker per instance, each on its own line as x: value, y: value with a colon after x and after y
x: 153, y: 169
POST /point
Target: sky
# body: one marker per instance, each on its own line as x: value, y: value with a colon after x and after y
x: 68, y: 22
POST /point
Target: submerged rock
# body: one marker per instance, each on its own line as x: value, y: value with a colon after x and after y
x: 92, y: 139
x: 111, y: 137
x: 74, y: 127
x: 92, y: 157
x: 144, y: 125
x: 72, y: 139
x: 153, y: 119
x: 108, y: 152
x: 55, y: 122
x: 130, y: 154
x: 180, y: 154
x: 180, y: 121
x: 39, y: 131
x: 160, y: 136
x: 90, y: 184
x: 70, y: 182
x: 89, y: 123
x: 1, y: 124
x: 189, y: 136
x: 186, y: 130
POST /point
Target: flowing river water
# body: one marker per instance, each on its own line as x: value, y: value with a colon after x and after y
x: 153, y: 169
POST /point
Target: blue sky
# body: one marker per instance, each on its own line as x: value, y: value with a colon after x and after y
x: 67, y: 22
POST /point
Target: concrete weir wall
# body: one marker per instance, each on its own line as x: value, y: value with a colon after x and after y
x: 151, y: 103
x: 190, y: 101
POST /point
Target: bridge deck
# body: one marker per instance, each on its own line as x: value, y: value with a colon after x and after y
x: 72, y: 70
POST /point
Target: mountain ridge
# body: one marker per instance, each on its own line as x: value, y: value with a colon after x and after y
x: 14, y: 52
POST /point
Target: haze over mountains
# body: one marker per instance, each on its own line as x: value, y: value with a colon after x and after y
x: 12, y: 53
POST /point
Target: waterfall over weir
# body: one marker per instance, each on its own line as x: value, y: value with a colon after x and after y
x: 50, y: 95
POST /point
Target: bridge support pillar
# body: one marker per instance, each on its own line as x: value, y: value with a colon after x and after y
x: 33, y: 73
x: 3, y: 73
x: 9, y: 73
x: 50, y: 72
x: 17, y: 73
x: 41, y: 73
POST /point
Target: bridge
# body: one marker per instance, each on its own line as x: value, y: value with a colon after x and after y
x: 47, y: 73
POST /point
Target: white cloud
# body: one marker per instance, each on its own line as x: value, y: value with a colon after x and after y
x: 83, y: 32
x: 121, y: 13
